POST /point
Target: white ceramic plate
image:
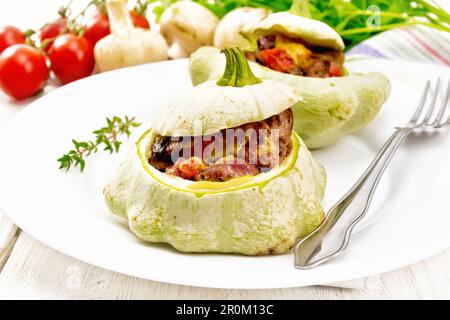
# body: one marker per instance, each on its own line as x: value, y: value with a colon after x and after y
x: 66, y: 210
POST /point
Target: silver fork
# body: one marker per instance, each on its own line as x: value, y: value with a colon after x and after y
x: 332, y: 237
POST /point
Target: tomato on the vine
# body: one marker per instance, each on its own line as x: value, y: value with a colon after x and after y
x: 71, y: 57
x: 139, y: 21
x: 51, y: 30
x: 23, y: 71
x: 9, y: 36
x: 96, y: 27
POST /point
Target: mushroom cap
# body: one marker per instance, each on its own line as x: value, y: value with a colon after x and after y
x: 189, y: 24
x: 133, y: 47
x: 228, y: 30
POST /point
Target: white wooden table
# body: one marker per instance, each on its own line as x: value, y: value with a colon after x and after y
x: 31, y: 270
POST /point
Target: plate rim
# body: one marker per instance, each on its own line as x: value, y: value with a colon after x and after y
x: 103, y: 264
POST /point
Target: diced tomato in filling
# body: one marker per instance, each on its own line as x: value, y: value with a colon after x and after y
x: 252, y: 148
x: 284, y: 54
x: 187, y: 169
x: 191, y: 167
x: 278, y: 59
x: 335, y: 70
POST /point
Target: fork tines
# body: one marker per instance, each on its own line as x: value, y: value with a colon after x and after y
x: 432, y: 111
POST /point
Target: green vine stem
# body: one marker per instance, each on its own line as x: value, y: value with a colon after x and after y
x: 237, y: 70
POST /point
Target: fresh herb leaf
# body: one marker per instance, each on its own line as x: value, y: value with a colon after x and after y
x: 159, y: 6
x: 106, y: 137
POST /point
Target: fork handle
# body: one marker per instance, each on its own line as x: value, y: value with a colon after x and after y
x: 346, y: 214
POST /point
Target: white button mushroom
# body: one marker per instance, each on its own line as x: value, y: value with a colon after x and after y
x: 127, y: 45
x: 189, y: 26
x: 229, y: 28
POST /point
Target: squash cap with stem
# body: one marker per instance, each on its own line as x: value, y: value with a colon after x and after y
x: 296, y: 23
x: 238, y: 97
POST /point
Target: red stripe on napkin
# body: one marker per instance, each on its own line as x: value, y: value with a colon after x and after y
x: 430, y: 50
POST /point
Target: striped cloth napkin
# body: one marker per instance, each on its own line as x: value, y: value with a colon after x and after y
x: 417, y: 44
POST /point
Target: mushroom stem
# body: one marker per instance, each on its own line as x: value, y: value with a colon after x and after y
x: 119, y: 17
x: 300, y: 8
x: 237, y: 70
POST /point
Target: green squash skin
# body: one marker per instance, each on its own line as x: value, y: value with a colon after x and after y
x: 331, y: 108
x: 256, y: 220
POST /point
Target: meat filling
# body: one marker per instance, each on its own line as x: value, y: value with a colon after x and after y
x: 293, y: 56
x: 245, y: 150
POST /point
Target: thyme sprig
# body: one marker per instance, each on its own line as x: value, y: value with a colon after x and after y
x: 106, y: 138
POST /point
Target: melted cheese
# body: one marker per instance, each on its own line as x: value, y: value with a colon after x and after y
x: 210, y: 185
x: 297, y: 51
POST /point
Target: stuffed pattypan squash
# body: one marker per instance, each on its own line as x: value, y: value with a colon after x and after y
x: 254, y: 194
x: 307, y: 55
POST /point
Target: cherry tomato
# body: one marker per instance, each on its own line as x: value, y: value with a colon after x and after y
x: 23, y: 71
x: 71, y: 57
x: 96, y: 27
x: 10, y: 35
x: 52, y: 30
x: 139, y: 21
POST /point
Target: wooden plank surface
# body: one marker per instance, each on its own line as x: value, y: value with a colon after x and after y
x: 35, y: 271
x: 8, y: 237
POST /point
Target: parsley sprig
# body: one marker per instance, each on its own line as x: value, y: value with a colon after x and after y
x: 106, y: 138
